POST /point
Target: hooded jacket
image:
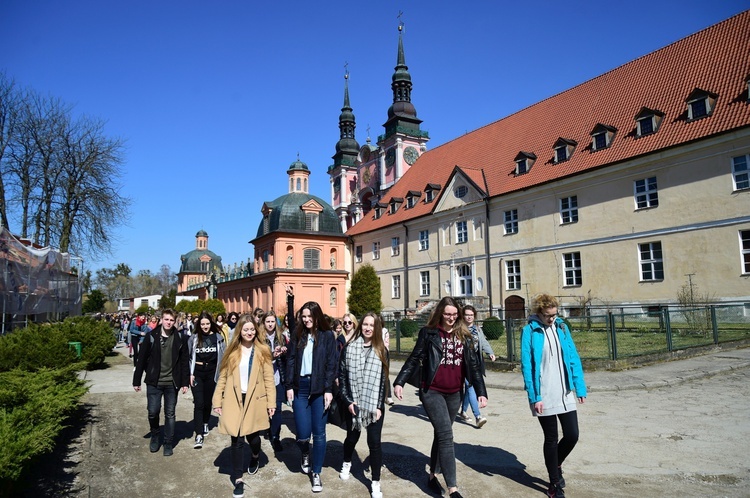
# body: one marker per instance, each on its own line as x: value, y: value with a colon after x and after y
x: 532, y: 346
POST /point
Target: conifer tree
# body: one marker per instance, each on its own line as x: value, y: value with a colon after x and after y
x: 364, y: 294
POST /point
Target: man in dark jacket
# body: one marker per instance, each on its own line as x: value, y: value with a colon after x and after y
x: 165, y: 359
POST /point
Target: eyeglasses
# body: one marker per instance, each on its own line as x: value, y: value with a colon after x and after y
x: 450, y: 315
x: 552, y: 315
x: 347, y: 322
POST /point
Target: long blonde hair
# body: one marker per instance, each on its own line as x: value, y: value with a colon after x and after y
x: 377, y: 336
x: 233, y: 353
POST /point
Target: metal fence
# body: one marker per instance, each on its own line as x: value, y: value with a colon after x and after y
x: 613, y: 336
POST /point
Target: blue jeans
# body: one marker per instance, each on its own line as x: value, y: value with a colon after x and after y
x: 442, y: 409
x: 153, y: 403
x: 470, y: 397
x: 310, y: 418
x: 276, y: 419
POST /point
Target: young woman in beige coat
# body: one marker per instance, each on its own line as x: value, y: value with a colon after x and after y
x: 245, y: 396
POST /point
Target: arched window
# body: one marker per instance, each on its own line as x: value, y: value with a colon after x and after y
x: 312, y: 259
x: 464, y: 280
x: 299, y: 184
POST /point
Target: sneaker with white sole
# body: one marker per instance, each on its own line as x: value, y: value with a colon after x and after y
x: 463, y: 416
x: 375, y: 489
x: 239, y: 489
x: 481, y: 421
x: 305, y: 463
x: 346, y: 469
x: 317, y: 484
x: 205, y: 429
x: 198, y: 442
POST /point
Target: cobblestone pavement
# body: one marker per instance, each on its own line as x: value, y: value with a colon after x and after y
x: 674, y: 429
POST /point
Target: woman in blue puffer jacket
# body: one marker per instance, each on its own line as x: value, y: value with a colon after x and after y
x: 552, y: 372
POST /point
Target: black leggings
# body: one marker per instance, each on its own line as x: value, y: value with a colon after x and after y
x: 374, y: 431
x: 556, y: 452
x: 236, y: 451
x: 203, y: 391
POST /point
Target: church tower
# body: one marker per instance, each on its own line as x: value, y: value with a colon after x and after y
x: 343, y: 171
x: 403, y: 141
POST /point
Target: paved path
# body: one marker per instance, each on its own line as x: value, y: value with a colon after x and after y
x: 678, y: 428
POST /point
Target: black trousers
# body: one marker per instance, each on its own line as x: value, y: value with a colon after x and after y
x: 556, y: 451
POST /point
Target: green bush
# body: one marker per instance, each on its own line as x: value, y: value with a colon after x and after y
x: 213, y: 306
x: 408, y: 328
x: 46, y: 345
x: 34, y: 407
x: 493, y: 328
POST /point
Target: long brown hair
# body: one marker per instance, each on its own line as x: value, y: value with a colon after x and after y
x: 233, y: 353
x: 377, y: 336
x: 319, y: 323
x: 214, y: 328
x: 460, y: 329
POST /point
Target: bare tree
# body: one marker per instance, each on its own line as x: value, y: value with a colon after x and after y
x: 62, y: 174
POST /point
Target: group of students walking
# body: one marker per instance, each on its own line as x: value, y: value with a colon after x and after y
x: 245, y: 378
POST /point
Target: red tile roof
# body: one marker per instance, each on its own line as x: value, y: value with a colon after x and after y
x: 716, y: 59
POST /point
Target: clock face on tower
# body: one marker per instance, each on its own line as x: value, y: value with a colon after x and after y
x: 390, y: 156
x: 411, y: 155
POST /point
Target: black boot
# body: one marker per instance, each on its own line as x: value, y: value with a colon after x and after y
x: 154, y: 446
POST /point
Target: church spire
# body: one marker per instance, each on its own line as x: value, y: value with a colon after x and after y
x: 402, y: 113
x: 347, y: 147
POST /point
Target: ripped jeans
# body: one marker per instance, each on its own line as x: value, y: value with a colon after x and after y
x: 310, y: 418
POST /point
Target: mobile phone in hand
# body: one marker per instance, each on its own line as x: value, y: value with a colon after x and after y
x: 356, y: 410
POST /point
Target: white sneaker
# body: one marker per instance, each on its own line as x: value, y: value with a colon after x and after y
x: 375, y: 486
x: 389, y: 401
x: 346, y: 468
x: 317, y: 484
x: 481, y: 421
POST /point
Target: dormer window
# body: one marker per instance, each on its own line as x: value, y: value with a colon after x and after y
x: 524, y: 162
x: 429, y: 192
x: 395, y: 204
x: 564, y: 149
x: 648, y: 121
x: 412, y: 197
x: 700, y: 104
x: 379, y: 207
x: 602, y: 136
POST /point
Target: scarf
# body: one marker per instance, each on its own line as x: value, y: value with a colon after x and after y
x: 365, y: 372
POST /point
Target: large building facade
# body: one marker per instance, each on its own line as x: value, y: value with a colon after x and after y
x: 619, y: 192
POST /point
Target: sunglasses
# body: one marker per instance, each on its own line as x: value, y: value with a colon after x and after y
x: 347, y: 322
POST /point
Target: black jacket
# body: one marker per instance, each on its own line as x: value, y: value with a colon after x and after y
x: 324, y: 362
x: 149, y: 359
x: 429, y: 349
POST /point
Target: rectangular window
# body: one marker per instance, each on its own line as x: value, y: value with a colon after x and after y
x: 740, y: 172
x: 569, y: 209
x: 572, y: 263
x: 396, y: 286
x: 745, y: 248
x: 462, y: 233
x: 395, y: 246
x: 376, y: 250
x: 265, y: 260
x: 429, y: 195
x: 698, y: 109
x: 513, y: 274
x: 410, y: 201
x: 646, y: 195
x: 311, y: 222
x: 424, y: 283
x: 561, y: 154
x: 358, y: 254
x: 646, y: 125
x: 424, y: 240
x: 652, y: 265
x: 521, y: 167
x: 511, y: 221
x: 311, y: 259
x: 600, y: 141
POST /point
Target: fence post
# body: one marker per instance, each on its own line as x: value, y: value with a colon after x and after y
x: 398, y: 336
x: 714, y: 324
x: 509, y: 339
x: 668, y: 325
x: 612, y: 336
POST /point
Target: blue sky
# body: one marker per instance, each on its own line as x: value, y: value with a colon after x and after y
x: 215, y: 99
